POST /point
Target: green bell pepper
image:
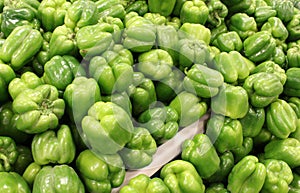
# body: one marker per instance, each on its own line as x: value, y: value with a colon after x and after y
x: 142, y: 93
x: 291, y: 26
x: 112, y: 8
x: 20, y: 46
x: 8, y: 153
x: 291, y: 87
x: 49, y: 179
x: 232, y: 65
x: 182, y: 177
x: 140, y: 7
x: 189, y: 108
x: 53, y: 146
x: 117, y: 25
x: 226, y: 165
x: 139, y: 151
x: 164, y: 8
x: 155, y: 64
x: 281, y: 119
x: 144, y: 184
x: 161, y: 122
x: 216, y: 31
x: 276, y: 27
x: 231, y: 101
x: 60, y: 71
x: 263, y: 88
x: 259, y: 46
x: 225, y: 133
x: 93, y: 40
x: 24, y: 159
x: 7, y: 74
x: 81, y: 13
x: 216, y: 188
x: 260, y: 140
x: 122, y: 99
x: 195, y: 11
x: 293, y: 56
x: 204, y: 81
x: 8, y: 126
x: 279, y: 176
x: 244, y: 150
x: 79, y: 99
x: 167, y: 89
x: 217, y: 12
x: 112, y: 70
x: 174, y: 21
x: 294, y: 186
x: 243, y: 24
x: 279, y: 55
x: 100, y: 173
x: 228, y: 41
x: 248, y: 175
x: 110, y: 123
x: 30, y: 173
x: 62, y: 42
x: 13, y: 17
x: 194, y: 32
x: 139, y: 34
x: 285, y: 10
x: 13, y: 182
x: 294, y: 102
x: 286, y: 150
x: 271, y: 67
x: 253, y: 122
x: 52, y: 13
x: 38, y: 109
x: 27, y: 80
x: 29, y: 4
x: 155, y: 18
x: 263, y: 13
x: 199, y: 151
x: 192, y: 52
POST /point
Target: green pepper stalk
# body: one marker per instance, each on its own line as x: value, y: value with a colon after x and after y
x: 81, y: 13
x: 248, y: 175
x: 189, y: 108
x: 13, y: 182
x: 110, y: 123
x: 38, y: 109
x: 50, y: 179
x: 281, y: 119
x: 53, y: 147
x: 181, y: 176
x: 139, y: 151
x: 279, y: 176
x: 291, y: 87
x: 8, y: 153
x: 144, y: 184
x: 161, y: 122
x: 52, y: 13
x: 100, y: 173
x: 60, y: 71
x: 225, y: 133
x: 204, y: 81
x: 286, y: 150
x: 200, y: 151
x: 20, y: 46
x: 267, y: 88
x: 195, y: 11
x: 231, y: 101
x: 7, y: 74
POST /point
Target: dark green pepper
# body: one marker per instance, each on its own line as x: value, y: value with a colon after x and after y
x: 24, y: 159
x: 294, y: 186
x: 112, y: 8
x: 244, y: 150
x: 291, y: 87
x: 253, y: 121
x: 292, y: 27
x: 8, y: 153
x: 140, y: 6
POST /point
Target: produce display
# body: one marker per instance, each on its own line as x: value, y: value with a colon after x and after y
x: 90, y: 89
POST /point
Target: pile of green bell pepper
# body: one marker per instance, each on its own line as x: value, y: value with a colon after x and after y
x: 91, y: 90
